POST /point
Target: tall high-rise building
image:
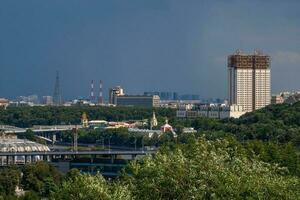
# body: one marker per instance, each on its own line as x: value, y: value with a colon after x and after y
x: 57, y: 97
x: 114, y: 92
x: 100, y: 98
x: 48, y: 100
x: 249, y: 80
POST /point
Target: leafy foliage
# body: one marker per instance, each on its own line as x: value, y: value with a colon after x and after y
x: 209, y: 170
x: 40, y: 177
x: 9, y: 179
x: 29, y: 116
x: 94, y: 187
x: 258, y: 159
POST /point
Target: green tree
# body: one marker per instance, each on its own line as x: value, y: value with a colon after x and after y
x: 30, y: 195
x: 208, y: 170
x: 40, y: 177
x: 95, y: 187
x: 9, y: 179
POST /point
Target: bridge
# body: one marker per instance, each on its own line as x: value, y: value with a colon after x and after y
x: 20, y: 158
x: 75, y: 153
x: 47, y: 133
x: 108, y: 163
x: 39, y: 128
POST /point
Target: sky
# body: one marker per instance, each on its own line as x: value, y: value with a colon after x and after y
x: 142, y: 45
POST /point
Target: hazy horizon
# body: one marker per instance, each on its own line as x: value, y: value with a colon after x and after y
x: 157, y: 45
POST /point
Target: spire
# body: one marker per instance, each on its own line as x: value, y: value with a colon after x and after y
x: 153, y: 121
x: 84, y: 120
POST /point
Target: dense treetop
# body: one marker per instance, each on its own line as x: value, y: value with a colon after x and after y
x: 254, y: 157
x: 51, y: 115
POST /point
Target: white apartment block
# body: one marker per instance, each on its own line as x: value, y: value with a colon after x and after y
x: 249, y: 81
x: 212, y: 111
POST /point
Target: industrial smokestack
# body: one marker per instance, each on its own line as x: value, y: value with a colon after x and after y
x: 92, y: 95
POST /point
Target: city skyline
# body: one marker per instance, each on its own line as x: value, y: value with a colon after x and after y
x: 143, y: 46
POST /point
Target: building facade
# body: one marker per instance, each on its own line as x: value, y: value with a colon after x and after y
x: 277, y: 99
x: 4, y: 102
x: 138, y: 100
x: 114, y: 92
x: 249, y: 80
x: 212, y: 111
x: 48, y: 100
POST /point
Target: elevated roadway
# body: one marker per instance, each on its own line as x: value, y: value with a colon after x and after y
x: 74, y: 153
x: 38, y: 128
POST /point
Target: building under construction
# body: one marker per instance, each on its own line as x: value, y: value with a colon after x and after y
x: 249, y: 80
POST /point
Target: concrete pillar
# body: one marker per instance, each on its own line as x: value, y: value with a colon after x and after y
x: 53, y: 138
x: 32, y: 159
x: 93, y: 158
x: 26, y: 159
x: 112, y: 158
x: 2, y: 160
x: 14, y: 159
x: 91, y: 169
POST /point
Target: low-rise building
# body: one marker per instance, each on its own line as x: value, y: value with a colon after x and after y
x: 48, y: 100
x: 95, y: 124
x: 189, y: 130
x: 4, y: 102
x: 212, y: 111
x: 293, y: 98
x: 114, y: 92
x: 138, y: 100
x: 146, y: 132
x: 277, y: 99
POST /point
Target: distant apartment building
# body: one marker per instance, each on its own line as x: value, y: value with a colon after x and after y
x: 34, y: 99
x: 277, y: 99
x: 151, y: 93
x: 249, y: 80
x: 165, y: 96
x: 289, y: 97
x: 190, y: 97
x: 4, y: 103
x: 293, y: 98
x: 47, y: 100
x: 138, y: 100
x: 114, y: 92
x: 212, y: 111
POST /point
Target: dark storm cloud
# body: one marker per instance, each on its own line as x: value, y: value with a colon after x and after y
x: 142, y: 45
